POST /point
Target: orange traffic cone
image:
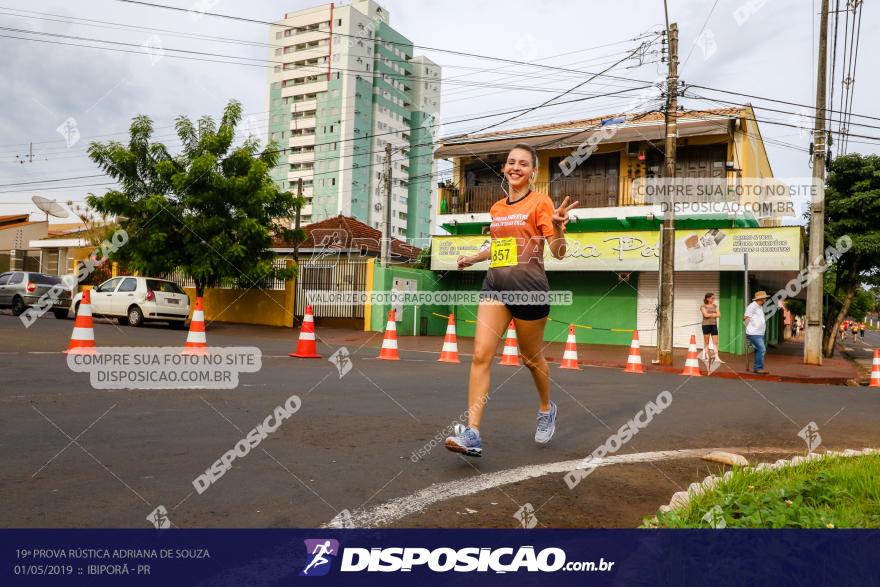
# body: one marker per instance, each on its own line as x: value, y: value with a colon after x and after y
x: 306, y: 348
x: 875, y: 370
x: 196, y: 343
x: 634, y: 361
x: 570, y: 355
x: 389, y: 343
x: 510, y: 355
x: 449, y: 352
x: 82, y: 340
x: 691, y: 363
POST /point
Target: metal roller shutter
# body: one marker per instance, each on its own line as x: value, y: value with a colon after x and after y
x: 690, y: 287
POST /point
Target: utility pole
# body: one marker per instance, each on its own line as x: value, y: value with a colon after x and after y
x: 299, y: 195
x: 386, y: 240
x: 814, y: 331
x: 667, y: 230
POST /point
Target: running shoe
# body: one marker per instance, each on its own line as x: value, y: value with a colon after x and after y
x: 466, y: 442
x: 546, y: 425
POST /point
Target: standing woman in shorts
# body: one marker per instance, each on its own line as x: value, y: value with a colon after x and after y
x: 710, y: 313
x: 521, y: 223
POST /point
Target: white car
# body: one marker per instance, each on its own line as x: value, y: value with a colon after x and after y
x: 138, y: 300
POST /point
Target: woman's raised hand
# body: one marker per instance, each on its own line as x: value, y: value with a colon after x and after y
x: 560, y: 214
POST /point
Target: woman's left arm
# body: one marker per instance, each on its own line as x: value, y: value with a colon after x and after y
x: 560, y: 219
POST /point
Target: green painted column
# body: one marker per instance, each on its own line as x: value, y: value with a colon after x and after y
x: 731, y: 334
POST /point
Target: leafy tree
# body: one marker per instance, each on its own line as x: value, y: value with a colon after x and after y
x: 852, y: 207
x: 796, y: 307
x: 211, y: 210
x: 862, y: 305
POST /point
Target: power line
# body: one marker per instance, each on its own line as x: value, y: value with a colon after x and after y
x: 776, y: 100
x: 472, y: 118
x: 850, y: 90
x: 694, y: 44
x: 568, y: 91
x: 120, y: 26
x: 370, y: 136
x: 767, y: 108
x: 317, y: 69
x: 833, y: 56
x: 405, y: 45
x: 51, y: 180
x: 768, y: 121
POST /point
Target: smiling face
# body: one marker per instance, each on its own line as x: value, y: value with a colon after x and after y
x: 519, y: 168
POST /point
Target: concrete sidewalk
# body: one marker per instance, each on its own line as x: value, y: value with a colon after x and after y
x: 784, y: 361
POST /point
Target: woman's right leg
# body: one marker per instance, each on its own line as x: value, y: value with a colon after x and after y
x: 492, y: 320
x: 706, y: 345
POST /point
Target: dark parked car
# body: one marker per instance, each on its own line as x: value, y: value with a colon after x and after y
x: 20, y: 290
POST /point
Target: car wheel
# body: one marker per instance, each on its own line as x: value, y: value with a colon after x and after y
x: 177, y: 324
x: 135, y: 316
x: 18, y: 306
x: 60, y: 314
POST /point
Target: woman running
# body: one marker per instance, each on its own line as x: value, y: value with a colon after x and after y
x: 521, y: 223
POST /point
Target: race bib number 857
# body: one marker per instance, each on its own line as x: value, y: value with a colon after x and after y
x: 504, y: 252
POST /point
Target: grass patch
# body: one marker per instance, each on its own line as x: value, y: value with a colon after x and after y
x: 834, y: 492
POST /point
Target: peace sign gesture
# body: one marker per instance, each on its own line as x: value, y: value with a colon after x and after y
x: 560, y: 214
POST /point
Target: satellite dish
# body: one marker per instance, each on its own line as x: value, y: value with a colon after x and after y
x: 50, y: 207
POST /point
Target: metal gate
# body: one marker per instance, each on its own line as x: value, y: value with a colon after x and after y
x: 331, y: 274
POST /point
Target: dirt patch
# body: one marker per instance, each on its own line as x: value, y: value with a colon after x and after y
x: 617, y: 496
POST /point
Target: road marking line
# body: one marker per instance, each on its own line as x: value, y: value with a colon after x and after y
x: 390, y: 511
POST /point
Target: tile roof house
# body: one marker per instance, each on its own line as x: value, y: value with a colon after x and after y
x: 346, y: 234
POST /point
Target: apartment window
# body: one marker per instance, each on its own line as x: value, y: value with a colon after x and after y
x: 338, y: 22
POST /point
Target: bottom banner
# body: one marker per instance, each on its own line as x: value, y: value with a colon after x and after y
x: 238, y: 557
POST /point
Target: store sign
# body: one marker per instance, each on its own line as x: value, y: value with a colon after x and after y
x: 767, y: 249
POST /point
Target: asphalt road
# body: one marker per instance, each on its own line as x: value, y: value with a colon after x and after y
x: 862, y: 350
x: 74, y: 456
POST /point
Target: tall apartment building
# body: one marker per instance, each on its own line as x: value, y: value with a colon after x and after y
x: 348, y: 85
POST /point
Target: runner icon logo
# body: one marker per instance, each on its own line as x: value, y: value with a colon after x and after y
x: 526, y: 516
x: 810, y: 434
x: 318, y: 553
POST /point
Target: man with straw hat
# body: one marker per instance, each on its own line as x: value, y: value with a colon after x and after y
x: 755, y: 327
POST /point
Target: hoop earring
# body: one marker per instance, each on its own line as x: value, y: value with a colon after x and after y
x: 506, y: 193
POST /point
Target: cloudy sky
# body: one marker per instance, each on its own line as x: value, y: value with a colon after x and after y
x: 55, y: 93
